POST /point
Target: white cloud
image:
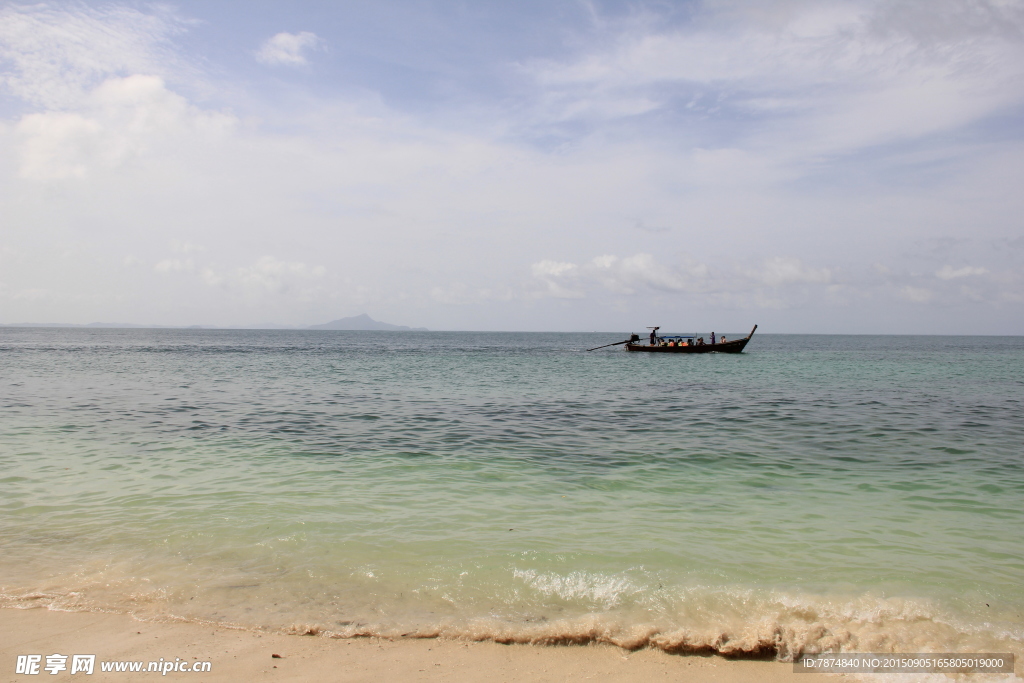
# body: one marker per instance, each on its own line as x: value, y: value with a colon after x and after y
x: 267, y: 275
x: 288, y: 49
x: 462, y: 294
x: 557, y: 279
x: 186, y: 247
x: 57, y: 145
x: 829, y: 76
x: 784, y: 271
x: 120, y: 119
x: 173, y: 265
x: 951, y: 273
x: 917, y: 295
x: 57, y: 53
x: 624, y: 275
x: 552, y: 269
x: 635, y: 272
x: 642, y: 273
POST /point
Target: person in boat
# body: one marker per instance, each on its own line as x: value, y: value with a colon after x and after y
x: 722, y: 339
x: 700, y: 341
x: 654, y: 337
x: 712, y: 337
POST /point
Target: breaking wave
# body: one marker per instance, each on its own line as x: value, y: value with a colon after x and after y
x: 738, y: 623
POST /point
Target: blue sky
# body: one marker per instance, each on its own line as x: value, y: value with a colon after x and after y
x: 808, y: 166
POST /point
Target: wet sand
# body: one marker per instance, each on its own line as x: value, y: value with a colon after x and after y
x: 237, y: 655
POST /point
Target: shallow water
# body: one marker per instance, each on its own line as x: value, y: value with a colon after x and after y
x: 816, y: 492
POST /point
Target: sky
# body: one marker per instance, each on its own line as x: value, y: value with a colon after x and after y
x: 809, y: 166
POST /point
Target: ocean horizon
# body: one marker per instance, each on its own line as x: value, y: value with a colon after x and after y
x: 817, y: 493
x: 275, y: 327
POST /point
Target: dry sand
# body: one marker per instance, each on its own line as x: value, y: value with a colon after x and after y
x: 246, y: 656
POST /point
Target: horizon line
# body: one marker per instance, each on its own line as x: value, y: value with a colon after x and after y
x: 308, y: 328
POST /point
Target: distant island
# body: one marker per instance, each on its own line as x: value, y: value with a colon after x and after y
x: 362, y: 322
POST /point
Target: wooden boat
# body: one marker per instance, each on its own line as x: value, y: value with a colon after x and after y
x: 734, y: 346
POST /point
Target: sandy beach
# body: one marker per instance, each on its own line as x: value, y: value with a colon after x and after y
x: 237, y: 655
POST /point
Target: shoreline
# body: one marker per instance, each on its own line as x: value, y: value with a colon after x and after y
x: 236, y: 654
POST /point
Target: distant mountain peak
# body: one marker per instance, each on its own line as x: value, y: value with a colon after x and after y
x: 362, y: 322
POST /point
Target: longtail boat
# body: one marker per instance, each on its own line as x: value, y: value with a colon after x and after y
x: 692, y: 345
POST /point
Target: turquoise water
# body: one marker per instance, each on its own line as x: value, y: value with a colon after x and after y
x: 815, y: 492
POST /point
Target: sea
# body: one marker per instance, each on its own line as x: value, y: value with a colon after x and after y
x: 812, y: 494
